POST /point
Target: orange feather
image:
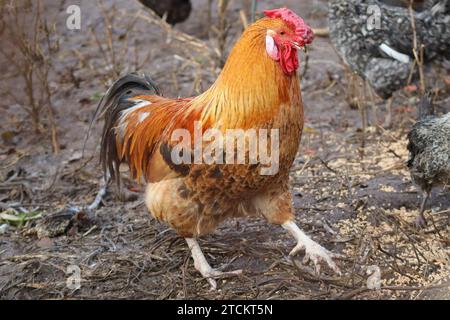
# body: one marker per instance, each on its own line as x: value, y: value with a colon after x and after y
x: 248, y: 94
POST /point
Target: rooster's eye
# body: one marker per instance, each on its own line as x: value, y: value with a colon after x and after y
x: 282, y: 33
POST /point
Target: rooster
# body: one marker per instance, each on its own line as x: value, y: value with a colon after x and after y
x: 257, y: 89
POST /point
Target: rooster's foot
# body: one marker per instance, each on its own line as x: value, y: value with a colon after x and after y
x: 317, y: 254
x: 313, y: 251
x: 204, y: 268
x: 211, y: 274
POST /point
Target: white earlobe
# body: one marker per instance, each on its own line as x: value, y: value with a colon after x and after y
x: 271, y: 48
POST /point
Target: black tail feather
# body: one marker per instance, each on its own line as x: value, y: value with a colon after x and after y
x: 111, y: 105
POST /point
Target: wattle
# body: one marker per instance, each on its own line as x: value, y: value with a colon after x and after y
x: 289, y: 60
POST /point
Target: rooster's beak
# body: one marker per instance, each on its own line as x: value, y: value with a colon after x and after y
x: 298, y: 46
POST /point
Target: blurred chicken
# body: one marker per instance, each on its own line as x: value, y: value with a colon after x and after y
x: 383, y: 54
x: 175, y: 11
x: 257, y: 89
x: 429, y: 152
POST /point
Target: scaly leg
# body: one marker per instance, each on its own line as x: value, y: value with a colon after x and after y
x: 421, y: 222
x: 313, y: 251
x: 203, y: 266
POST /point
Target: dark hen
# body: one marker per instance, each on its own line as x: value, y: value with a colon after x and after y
x: 175, y: 11
x: 383, y: 55
x: 429, y: 150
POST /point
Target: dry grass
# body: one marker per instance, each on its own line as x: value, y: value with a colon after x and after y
x: 418, y: 52
x: 30, y: 44
x: 114, y: 46
x: 221, y: 31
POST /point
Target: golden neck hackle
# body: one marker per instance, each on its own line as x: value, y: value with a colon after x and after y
x: 251, y: 88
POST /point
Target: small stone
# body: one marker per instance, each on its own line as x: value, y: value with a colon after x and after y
x: 3, y: 228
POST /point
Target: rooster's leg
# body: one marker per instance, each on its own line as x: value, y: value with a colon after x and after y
x: 421, y: 222
x: 203, y: 266
x: 313, y: 251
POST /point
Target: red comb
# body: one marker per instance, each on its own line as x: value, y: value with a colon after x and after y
x: 298, y: 24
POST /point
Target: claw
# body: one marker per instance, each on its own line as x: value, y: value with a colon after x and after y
x: 205, y: 269
x: 212, y: 283
x: 212, y: 274
x: 313, y: 251
x: 299, y: 247
x: 318, y: 254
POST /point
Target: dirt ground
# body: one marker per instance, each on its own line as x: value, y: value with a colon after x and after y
x: 352, y: 190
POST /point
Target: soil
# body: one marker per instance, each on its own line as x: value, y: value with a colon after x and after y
x: 352, y: 190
